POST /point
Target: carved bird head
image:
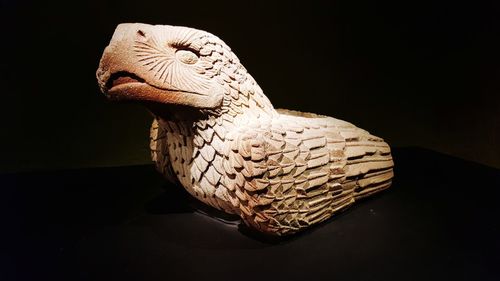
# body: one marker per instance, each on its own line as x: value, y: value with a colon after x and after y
x: 175, y: 65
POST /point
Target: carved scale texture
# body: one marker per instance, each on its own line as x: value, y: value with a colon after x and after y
x: 279, y: 174
x: 280, y: 170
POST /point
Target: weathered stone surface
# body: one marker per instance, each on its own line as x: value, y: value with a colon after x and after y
x: 216, y: 134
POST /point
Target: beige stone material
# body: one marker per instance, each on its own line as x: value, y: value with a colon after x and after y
x: 216, y: 134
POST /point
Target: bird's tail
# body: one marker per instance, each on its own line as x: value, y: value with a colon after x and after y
x: 369, y: 166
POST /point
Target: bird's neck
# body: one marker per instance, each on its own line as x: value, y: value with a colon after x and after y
x: 248, y: 99
x: 243, y: 100
x: 242, y: 94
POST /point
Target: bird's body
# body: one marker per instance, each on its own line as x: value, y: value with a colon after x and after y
x: 279, y: 173
x: 279, y: 170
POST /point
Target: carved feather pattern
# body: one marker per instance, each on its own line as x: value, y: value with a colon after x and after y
x: 280, y: 174
x: 280, y: 170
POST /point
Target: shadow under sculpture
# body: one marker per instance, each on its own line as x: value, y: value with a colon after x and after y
x: 216, y: 134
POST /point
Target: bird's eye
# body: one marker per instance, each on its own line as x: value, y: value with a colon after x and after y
x: 186, y: 56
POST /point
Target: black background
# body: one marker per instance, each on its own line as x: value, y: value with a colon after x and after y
x: 419, y: 73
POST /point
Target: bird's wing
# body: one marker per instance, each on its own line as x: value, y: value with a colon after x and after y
x: 295, y: 171
x: 368, y: 160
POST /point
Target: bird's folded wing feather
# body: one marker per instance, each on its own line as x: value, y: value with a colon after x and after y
x: 294, y: 171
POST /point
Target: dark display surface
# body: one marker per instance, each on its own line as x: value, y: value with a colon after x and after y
x: 439, y: 221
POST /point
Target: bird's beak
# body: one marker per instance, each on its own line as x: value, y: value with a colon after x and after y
x: 121, y: 76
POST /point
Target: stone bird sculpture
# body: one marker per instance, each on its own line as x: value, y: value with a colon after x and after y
x: 217, y: 134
